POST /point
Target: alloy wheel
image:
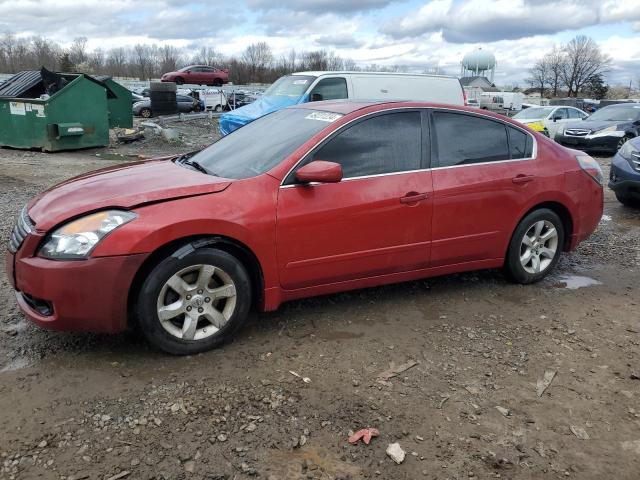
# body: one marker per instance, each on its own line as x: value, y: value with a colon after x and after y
x: 539, y: 246
x: 196, y: 302
x: 621, y: 142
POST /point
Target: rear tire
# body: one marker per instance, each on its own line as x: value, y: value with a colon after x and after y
x: 146, y: 113
x: 217, y: 82
x: 194, y: 301
x: 535, y: 247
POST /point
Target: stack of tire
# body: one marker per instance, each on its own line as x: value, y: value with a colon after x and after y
x: 163, y: 98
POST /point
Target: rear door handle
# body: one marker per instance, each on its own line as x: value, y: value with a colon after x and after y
x: 413, y: 197
x: 519, y: 179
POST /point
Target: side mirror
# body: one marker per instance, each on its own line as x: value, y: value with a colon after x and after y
x: 320, y: 171
x: 316, y: 97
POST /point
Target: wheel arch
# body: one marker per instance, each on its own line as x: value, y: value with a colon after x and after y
x: 183, y: 245
x: 557, y: 207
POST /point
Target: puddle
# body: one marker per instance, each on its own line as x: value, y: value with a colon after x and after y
x: 573, y: 282
x: 15, y: 364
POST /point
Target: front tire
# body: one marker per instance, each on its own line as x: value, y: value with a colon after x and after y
x: 179, y: 81
x: 622, y: 141
x: 145, y: 113
x: 535, y: 247
x: 193, y: 302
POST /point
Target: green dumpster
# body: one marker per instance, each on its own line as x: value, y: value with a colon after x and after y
x: 120, y: 113
x: 56, y: 112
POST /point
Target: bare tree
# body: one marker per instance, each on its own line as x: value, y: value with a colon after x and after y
x: 556, y: 61
x: 95, y: 61
x: 78, y: 50
x: 142, y: 60
x: 116, y: 63
x: 258, y: 57
x: 540, y: 74
x: 207, y: 56
x: 169, y: 58
x: 583, y: 60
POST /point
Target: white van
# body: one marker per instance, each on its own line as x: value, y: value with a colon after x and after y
x: 305, y: 87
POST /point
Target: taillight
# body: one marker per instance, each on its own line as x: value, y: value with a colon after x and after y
x: 464, y: 96
x: 591, y: 168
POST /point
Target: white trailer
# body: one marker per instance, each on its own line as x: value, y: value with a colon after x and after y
x: 512, y: 100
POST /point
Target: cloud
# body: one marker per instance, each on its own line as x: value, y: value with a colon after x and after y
x: 320, y: 6
x: 339, y: 40
x: 493, y: 20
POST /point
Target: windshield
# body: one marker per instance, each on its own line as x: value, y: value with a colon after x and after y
x: 629, y: 113
x: 290, y: 86
x: 260, y: 145
x: 535, y: 112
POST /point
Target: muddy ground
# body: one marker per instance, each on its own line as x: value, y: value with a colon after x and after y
x: 107, y: 407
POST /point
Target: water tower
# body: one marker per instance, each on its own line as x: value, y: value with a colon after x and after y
x: 479, y: 63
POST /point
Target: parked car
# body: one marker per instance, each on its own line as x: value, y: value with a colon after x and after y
x: 198, y: 75
x: 608, y: 129
x: 136, y: 97
x: 624, y: 176
x: 548, y: 120
x: 185, y: 104
x: 316, y: 86
x: 309, y: 200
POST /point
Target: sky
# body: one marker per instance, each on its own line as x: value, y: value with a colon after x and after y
x: 427, y: 34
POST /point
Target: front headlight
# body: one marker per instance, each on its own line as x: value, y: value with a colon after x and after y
x: 78, y: 238
x: 628, y: 151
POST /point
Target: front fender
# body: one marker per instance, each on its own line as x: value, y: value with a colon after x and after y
x: 246, y: 213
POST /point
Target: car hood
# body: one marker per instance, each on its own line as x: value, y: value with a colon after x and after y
x: 591, y: 125
x: 122, y: 186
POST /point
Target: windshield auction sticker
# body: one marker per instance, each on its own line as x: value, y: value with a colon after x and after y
x: 323, y: 116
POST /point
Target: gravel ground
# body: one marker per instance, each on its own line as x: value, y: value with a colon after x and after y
x: 477, y: 347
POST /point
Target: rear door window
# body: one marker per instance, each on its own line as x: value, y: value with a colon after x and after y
x: 383, y: 144
x: 463, y: 139
x: 329, y: 89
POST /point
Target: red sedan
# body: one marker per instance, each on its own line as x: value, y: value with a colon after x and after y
x: 197, y: 75
x: 309, y: 200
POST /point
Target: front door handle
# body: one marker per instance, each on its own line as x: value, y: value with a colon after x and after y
x: 520, y: 179
x: 413, y: 197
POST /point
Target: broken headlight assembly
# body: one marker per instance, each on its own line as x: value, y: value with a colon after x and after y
x: 78, y: 238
